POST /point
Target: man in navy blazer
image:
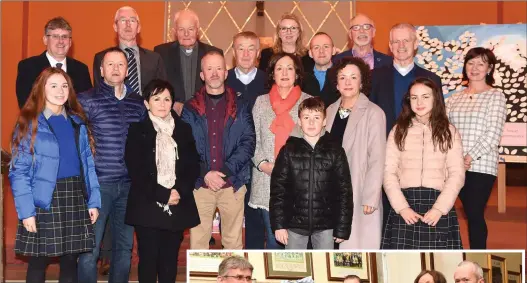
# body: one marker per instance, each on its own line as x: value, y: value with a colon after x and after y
x: 57, y: 38
x: 361, y: 33
x: 390, y: 83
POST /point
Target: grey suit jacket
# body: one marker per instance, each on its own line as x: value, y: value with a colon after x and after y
x: 152, y: 67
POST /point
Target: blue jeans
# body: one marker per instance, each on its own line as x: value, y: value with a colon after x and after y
x: 114, y: 197
x: 272, y: 244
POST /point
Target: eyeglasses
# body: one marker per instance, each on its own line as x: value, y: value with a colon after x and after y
x: 364, y: 27
x: 291, y: 29
x: 58, y: 36
x: 124, y: 21
x: 241, y: 278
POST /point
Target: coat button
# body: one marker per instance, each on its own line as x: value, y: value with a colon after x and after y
x: 154, y: 149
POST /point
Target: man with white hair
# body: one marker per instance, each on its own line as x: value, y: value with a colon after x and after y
x: 182, y: 57
x: 391, y: 82
x: 469, y: 272
x: 143, y: 65
x: 361, y: 34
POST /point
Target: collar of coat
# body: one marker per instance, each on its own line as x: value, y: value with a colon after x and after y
x: 199, y: 105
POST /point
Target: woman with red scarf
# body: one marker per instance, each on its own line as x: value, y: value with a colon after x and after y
x: 275, y: 117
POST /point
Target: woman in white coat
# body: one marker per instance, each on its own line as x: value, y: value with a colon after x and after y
x: 361, y: 126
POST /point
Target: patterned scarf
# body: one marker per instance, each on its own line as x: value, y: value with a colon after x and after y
x: 283, y: 124
x: 166, y: 153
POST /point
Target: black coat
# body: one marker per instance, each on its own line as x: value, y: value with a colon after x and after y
x: 29, y: 69
x: 329, y: 93
x: 311, y: 188
x: 170, y: 55
x: 140, y: 154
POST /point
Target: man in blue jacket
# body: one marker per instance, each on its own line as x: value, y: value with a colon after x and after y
x: 225, y: 139
x: 110, y: 108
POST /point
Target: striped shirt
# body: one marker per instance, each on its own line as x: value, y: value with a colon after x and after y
x: 480, y: 119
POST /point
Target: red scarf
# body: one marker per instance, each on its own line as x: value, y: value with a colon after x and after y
x: 283, y: 124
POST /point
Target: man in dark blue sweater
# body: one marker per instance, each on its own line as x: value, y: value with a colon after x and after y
x: 110, y: 108
x: 391, y: 82
x: 248, y: 82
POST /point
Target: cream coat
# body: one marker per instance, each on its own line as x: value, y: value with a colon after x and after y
x: 365, y: 144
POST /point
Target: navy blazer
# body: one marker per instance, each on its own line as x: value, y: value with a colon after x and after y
x: 382, y: 92
x: 30, y: 68
x: 379, y: 59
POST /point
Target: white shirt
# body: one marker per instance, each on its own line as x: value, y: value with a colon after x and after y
x: 403, y: 70
x: 245, y: 78
x: 54, y: 62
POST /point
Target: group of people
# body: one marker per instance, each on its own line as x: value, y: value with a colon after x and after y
x: 238, y: 269
x: 311, y: 147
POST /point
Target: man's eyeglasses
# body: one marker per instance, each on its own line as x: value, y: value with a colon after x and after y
x: 124, y: 21
x: 241, y: 278
x: 291, y: 29
x: 58, y: 36
x: 364, y: 27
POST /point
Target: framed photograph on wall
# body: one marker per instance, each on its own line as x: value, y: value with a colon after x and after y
x: 206, y: 263
x: 288, y: 265
x: 514, y: 277
x: 341, y: 264
x: 498, y: 269
x: 486, y: 275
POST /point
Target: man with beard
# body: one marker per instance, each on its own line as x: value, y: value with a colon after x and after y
x: 225, y: 139
x: 390, y: 83
x: 57, y: 38
x: 361, y: 33
x: 143, y: 65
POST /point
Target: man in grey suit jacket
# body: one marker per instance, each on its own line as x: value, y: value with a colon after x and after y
x: 143, y: 65
x: 182, y: 57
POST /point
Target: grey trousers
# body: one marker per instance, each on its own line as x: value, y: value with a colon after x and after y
x: 321, y: 240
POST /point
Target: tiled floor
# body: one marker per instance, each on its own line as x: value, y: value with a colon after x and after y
x: 506, y: 231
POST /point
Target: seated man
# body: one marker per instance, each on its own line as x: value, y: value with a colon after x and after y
x: 235, y: 269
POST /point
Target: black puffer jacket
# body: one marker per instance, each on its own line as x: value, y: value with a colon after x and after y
x: 311, y: 188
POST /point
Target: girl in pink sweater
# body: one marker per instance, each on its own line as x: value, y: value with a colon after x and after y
x: 423, y: 173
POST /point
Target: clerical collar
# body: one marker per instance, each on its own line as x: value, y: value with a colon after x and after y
x: 404, y: 70
x: 187, y: 50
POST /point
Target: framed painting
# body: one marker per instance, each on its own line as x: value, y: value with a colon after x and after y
x: 206, y: 263
x: 514, y: 277
x: 342, y: 264
x: 288, y: 265
x: 498, y: 269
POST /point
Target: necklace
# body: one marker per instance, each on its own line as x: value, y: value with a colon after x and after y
x: 344, y: 112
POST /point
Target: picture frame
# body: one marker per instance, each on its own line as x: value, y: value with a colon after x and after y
x: 206, y: 263
x: 341, y: 264
x: 497, y: 269
x: 288, y: 265
x: 486, y: 275
x: 514, y: 277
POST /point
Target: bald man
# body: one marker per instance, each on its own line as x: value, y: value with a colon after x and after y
x: 182, y: 57
x: 143, y: 65
x: 361, y: 34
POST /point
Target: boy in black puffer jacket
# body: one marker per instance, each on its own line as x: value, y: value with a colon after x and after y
x: 311, y: 194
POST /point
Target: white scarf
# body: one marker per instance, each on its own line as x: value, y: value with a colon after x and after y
x: 166, y: 153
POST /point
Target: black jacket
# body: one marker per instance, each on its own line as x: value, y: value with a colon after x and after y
x: 29, y: 69
x: 329, y: 93
x: 140, y: 157
x: 311, y: 188
x: 170, y: 55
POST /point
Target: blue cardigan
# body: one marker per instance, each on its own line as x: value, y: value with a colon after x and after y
x: 33, y: 177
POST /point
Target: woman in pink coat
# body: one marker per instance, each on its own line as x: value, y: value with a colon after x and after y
x: 361, y: 127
